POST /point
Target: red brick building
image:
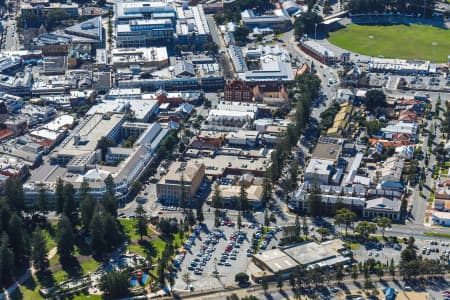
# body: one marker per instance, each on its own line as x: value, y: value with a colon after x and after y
x: 238, y: 91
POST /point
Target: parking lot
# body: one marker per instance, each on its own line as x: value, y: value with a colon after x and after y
x: 430, y: 249
x: 213, y: 257
x: 422, y: 82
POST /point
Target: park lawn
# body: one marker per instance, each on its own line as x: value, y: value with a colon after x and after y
x: 435, y: 234
x: 352, y: 245
x: 84, y: 296
x: 129, y: 228
x: 51, y: 243
x: 177, y: 240
x: 395, y: 41
x: 87, y: 265
x: 153, y: 248
x: 29, y: 290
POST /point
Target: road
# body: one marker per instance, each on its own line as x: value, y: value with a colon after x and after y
x: 11, y: 37
x: 433, y: 287
x: 217, y: 38
x: 322, y: 71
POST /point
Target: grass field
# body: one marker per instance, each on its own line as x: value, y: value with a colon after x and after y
x: 395, y: 41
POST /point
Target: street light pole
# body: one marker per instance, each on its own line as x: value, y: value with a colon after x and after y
x: 433, y: 44
x: 315, y: 32
x: 371, y: 41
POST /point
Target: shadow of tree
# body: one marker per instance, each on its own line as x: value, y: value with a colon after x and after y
x: 71, y: 266
x: 149, y: 249
x: 45, y: 278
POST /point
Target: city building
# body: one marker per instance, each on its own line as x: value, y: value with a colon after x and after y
x: 383, y: 207
x: 149, y: 23
x: 82, y: 162
x: 238, y: 91
x: 42, y: 8
x: 18, y: 85
x: 319, y: 52
x: 156, y: 57
x: 279, y: 20
x: 181, y: 178
x: 272, y: 263
x: 144, y: 33
x: 191, y: 26
x: 274, y: 69
x: 400, y: 66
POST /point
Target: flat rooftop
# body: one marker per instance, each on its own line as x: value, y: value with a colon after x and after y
x: 93, y: 130
x: 312, y: 252
x: 327, y: 151
x: 276, y: 260
x: 218, y: 164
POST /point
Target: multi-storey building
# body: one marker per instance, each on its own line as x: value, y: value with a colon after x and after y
x: 181, y: 178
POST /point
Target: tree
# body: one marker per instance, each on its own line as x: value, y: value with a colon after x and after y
x: 115, y: 284
x: 298, y: 227
x: 64, y: 238
x: 279, y: 282
x: 383, y: 223
x: 306, y: 23
x: 267, y: 190
x: 182, y: 193
x: 39, y: 250
x: 59, y: 191
x: 216, y: 219
x: 339, y: 273
x: 103, y: 144
x: 109, y: 184
x: 70, y: 206
x: 111, y: 228
x: 294, y: 175
x: 84, y: 189
x: 13, y: 191
x: 142, y: 221
x: 266, y: 218
x: 241, y: 278
x: 42, y: 200
x: 54, y: 18
x: 110, y: 203
x: 250, y: 297
x: 17, y: 237
x: 217, y: 197
x: 190, y: 218
x: 364, y: 229
x: 354, y: 272
x: 243, y: 204
x: 305, y: 227
x: 323, y: 231
x: 240, y: 34
x: 87, y: 206
x: 345, y: 217
x: 98, y: 243
x: 6, y: 259
x: 392, y: 267
x: 239, y: 221
x: 315, y: 201
x: 265, y: 284
x: 375, y: 99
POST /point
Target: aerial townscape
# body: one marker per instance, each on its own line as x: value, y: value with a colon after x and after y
x: 225, y: 149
